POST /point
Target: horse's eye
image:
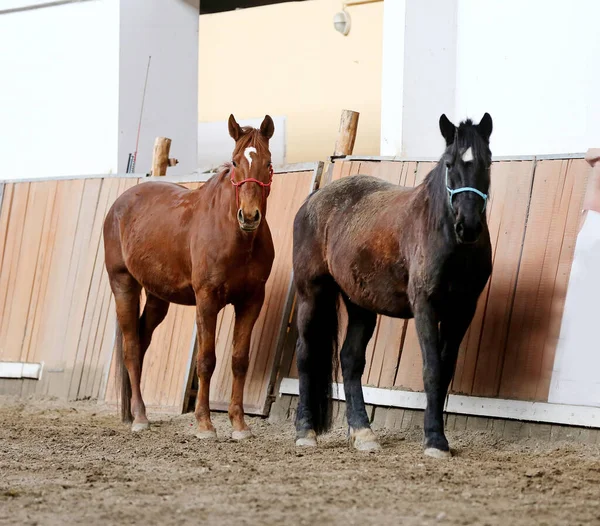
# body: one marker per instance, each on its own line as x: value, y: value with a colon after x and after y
x: 234, y: 164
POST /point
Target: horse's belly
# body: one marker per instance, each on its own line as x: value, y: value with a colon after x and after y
x: 164, y: 283
x: 383, y: 292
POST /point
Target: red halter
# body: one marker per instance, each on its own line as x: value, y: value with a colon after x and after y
x: 250, y: 180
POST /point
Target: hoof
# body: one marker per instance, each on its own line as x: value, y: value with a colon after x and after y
x: 139, y: 427
x: 241, y: 435
x: 310, y: 440
x: 207, y: 435
x: 436, y: 453
x: 364, y: 440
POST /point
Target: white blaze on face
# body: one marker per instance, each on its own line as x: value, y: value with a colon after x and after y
x: 467, y: 157
x: 247, y: 153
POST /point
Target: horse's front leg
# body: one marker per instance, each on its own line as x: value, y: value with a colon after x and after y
x: 246, y: 314
x: 426, y: 321
x: 453, y: 328
x: 206, y: 319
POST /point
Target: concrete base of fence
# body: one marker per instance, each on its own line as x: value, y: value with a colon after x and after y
x: 391, y: 418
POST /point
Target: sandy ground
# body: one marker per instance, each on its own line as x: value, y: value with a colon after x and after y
x: 77, y: 464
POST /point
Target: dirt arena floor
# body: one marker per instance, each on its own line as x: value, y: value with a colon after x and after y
x: 77, y: 464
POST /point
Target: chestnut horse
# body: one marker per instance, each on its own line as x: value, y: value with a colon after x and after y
x: 207, y: 247
x: 419, y: 252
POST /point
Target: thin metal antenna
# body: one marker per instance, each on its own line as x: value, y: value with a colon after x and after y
x: 137, y: 141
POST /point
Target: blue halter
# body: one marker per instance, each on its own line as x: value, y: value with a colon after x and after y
x: 452, y: 193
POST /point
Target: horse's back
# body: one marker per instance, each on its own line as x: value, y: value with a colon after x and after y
x: 351, y: 203
x: 347, y: 217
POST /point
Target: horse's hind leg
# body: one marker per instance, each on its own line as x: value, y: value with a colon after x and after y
x: 154, y: 313
x: 127, y: 301
x: 316, y: 355
x: 361, y: 324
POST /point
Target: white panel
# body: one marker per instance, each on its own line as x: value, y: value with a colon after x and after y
x: 392, y: 77
x: 21, y: 370
x: 470, y: 405
x: 168, y: 32
x: 576, y: 373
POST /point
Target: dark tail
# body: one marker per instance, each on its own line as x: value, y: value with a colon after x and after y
x: 122, y: 378
x: 321, y: 356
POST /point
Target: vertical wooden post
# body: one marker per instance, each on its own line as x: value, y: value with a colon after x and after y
x: 347, y: 133
x: 160, y: 157
x: 591, y: 200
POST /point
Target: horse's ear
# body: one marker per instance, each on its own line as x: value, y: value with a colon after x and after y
x: 267, y: 128
x: 448, y: 129
x: 234, y: 128
x: 485, y: 126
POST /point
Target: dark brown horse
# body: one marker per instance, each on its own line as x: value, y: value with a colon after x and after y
x: 207, y: 247
x: 422, y: 252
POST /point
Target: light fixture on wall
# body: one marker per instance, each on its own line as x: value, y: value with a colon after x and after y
x: 342, y: 20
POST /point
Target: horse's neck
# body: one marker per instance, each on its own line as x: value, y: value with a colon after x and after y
x: 220, y: 196
x: 433, y: 196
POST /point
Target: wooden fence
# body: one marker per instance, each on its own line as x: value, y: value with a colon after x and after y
x: 57, y: 308
x: 55, y: 302
x: 508, y: 352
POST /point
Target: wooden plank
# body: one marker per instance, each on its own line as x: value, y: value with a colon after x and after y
x: 511, y: 189
x: 390, y: 340
x: 93, y: 262
x: 15, y: 301
x: 42, y: 273
x: 547, y: 187
x: 507, y: 213
x: 5, y: 213
x: 82, y: 265
x: 25, y: 273
x: 550, y: 203
x: 578, y: 172
x: 99, y: 349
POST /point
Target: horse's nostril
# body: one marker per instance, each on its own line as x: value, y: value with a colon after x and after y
x: 460, y: 228
x: 257, y: 216
x: 240, y: 215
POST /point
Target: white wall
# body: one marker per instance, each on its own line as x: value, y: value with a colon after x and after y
x: 72, y: 82
x: 59, y: 89
x: 532, y: 65
x: 419, y: 75
x: 167, y: 31
x: 429, y: 73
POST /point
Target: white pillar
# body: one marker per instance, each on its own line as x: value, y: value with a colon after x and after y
x: 419, y: 75
x: 168, y: 32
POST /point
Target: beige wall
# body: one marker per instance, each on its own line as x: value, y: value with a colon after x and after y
x: 287, y: 59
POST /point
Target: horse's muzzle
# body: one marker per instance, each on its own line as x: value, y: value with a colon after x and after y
x: 467, y: 234
x: 249, y: 224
